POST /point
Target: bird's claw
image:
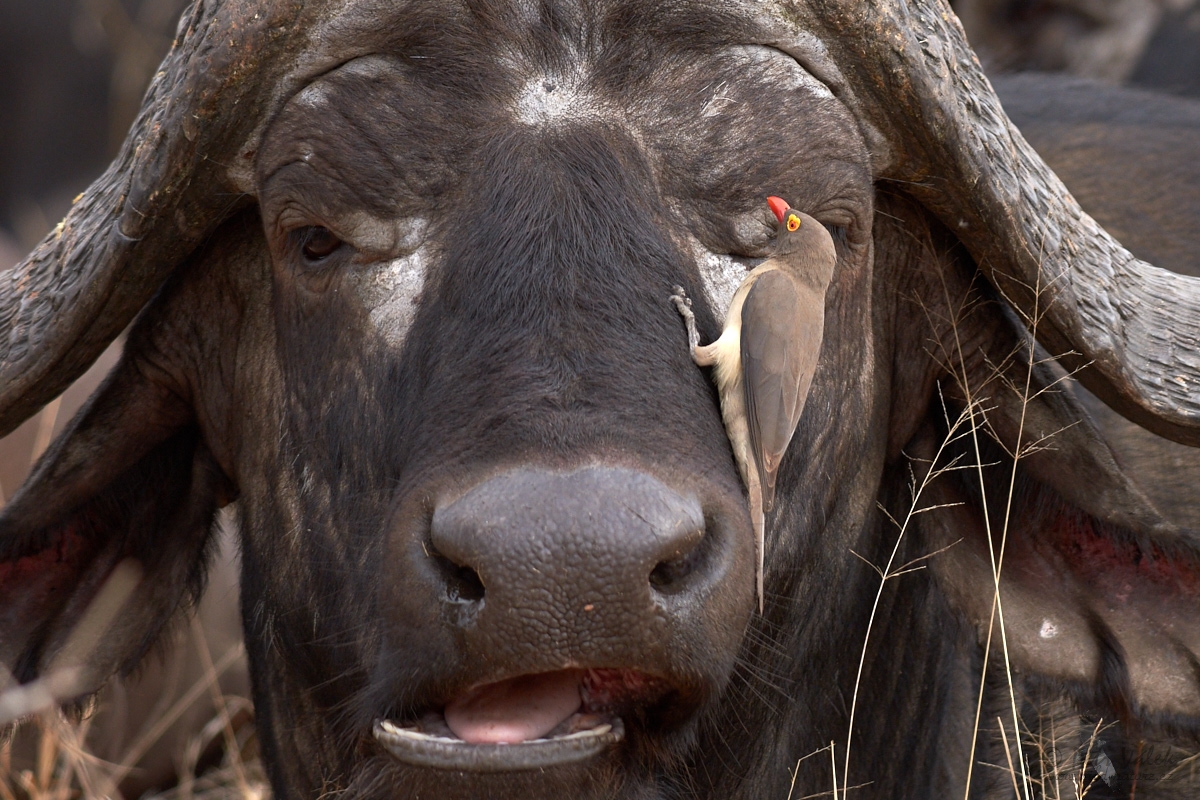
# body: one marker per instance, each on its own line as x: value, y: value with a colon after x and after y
x: 683, y: 304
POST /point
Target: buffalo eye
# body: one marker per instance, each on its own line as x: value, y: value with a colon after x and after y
x: 839, y: 234
x: 317, y: 243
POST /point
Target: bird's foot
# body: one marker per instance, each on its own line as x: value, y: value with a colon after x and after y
x: 683, y: 304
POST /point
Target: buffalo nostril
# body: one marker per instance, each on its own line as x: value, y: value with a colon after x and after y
x: 463, y: 584
x: 667, y: 575
x: 671, y: 574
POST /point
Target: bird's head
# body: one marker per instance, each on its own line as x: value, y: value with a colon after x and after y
x: 801, y: 238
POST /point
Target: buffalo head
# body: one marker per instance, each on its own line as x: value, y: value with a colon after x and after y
x: 402, y: 278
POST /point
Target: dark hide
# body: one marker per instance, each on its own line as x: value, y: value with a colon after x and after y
x: 1131, y: 158
x: 1149, y: 44
x: 1171, y: 61
x: 459, y: 266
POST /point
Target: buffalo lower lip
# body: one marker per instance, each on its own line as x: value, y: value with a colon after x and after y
x: 417, y: 748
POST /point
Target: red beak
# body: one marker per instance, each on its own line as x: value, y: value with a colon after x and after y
x: 778, y: 205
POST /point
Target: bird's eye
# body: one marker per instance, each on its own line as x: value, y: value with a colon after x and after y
x: 793, y: 222
x: 318, y: 243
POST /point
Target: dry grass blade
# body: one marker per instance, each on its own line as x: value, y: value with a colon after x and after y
x: 834, y: 792
x: 833, y: 770
x: 1189, y: 761
x: 64, y: 769
x: 996, y: 556
x: 887, y: 573
x: 1015, y: 372
x: 1081, y: 788
x: 801, y: 760
x: 5, y: 771
x: 143, y: 743
x: 45, y: 431
x: 1008, y: 755
x: 231, y: 743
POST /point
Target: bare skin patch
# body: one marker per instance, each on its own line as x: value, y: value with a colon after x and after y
x: 721, y: 275
x: 389, y: 292
x: 314, y: 96
x: 555, y: 99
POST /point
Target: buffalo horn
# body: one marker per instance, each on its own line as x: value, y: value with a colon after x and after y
x: 1132, y: 327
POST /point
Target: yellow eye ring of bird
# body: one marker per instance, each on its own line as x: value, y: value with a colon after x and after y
x: 793, y: 222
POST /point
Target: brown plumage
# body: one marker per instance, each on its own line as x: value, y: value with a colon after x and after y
x: 764, y: 360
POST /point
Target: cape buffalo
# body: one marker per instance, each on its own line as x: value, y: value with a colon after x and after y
x: 402, y: 277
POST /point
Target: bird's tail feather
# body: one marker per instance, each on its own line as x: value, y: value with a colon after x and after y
x: 758, y: 520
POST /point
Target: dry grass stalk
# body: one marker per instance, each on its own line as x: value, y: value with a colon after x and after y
x: 65, y: 769
x: 1035, y: 754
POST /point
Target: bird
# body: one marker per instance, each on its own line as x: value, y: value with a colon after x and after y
x: 764, y: 360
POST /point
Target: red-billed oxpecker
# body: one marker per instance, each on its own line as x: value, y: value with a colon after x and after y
x: 764, y: 360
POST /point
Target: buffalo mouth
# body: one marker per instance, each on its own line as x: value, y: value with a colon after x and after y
x: 525, y: 722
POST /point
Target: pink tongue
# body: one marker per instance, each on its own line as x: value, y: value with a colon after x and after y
x: 515, y: 710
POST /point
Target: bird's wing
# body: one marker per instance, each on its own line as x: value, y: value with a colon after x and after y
x: 782, y: 325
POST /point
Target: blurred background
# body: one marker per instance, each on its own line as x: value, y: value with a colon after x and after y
x: 72, y: 74
x: 1149, y: 43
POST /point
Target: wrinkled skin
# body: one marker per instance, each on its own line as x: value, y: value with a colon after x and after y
x: 455, y: 276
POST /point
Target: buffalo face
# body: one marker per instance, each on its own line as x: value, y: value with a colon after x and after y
x: 508, y: 472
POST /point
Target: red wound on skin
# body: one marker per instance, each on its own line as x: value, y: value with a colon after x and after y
x: 37, y: 584
x: 778, y: 206
x: 60, y: 556
x: 1103, y: 555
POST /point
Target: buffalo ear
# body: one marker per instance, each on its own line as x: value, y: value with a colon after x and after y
x: 1100, y: 591
x: 130, y: 488
x: 1099, y: 585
